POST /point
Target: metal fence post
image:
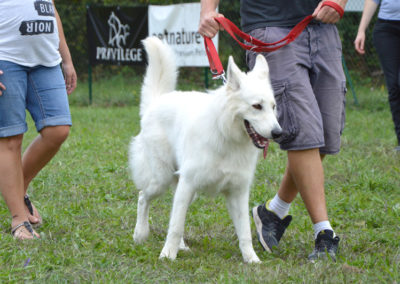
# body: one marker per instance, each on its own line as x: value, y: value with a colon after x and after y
x: 90, y: 83
x: 346, y: 71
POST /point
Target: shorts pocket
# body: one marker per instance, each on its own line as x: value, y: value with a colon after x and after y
x: 286, y: 114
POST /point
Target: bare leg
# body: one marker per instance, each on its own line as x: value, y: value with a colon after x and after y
x: 42, y: 150
x: 305, y: 174
x: 39, y: 153
x: 11, y: 180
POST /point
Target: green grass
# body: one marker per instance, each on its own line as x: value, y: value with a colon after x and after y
x: 88, y: 203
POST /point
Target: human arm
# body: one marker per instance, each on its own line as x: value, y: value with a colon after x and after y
x: 208, y: 26
x: 67, y: 64
x: 2, y: 87
x: 327, y: 14
x: 369, y: 10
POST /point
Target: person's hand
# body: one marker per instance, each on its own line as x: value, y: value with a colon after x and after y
x: 327, y: 14
x: 208, y: 25
x: 359, y: 42
x: 2, y: 87
x: 70, y: 77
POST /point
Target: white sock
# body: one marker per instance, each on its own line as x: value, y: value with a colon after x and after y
x: 278, y: 206
x: 324, y: 225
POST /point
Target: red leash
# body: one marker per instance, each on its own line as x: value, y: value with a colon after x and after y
x: 256, y: 45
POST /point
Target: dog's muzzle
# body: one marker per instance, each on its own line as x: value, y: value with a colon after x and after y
x: 258, y: 140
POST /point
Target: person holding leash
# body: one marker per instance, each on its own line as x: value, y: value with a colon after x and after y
x: 309, y: 86
x: 32, y: 46
x: 386, y: 39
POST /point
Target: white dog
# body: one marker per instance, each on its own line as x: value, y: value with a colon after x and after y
x: 200, y: 142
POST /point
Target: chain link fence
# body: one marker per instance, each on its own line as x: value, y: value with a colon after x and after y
x: 363, y: 69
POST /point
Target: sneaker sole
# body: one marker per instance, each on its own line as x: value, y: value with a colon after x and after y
x: 258, y: 223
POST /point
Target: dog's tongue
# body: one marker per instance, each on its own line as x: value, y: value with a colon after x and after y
x: 266, y: 149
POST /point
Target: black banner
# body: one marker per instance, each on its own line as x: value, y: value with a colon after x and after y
x: 115, y: 34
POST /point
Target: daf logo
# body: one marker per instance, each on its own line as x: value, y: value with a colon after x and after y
x: 118, y: 32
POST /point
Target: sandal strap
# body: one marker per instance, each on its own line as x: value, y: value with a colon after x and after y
x: 28, y: 203
x: 26, y: 224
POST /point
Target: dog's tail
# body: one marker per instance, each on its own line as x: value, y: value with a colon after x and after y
x: 161, y: 74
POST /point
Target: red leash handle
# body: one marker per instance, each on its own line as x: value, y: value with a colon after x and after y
x: 335, y: 6
x: 254, y: 44
x: 216, y: 68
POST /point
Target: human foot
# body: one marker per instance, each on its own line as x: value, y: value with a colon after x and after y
x: 34, y: 217
x: 24, y: 231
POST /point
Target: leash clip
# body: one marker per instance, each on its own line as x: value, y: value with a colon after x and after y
x: 217, y: 76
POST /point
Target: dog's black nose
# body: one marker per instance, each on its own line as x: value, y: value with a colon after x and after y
x: 276, y: 133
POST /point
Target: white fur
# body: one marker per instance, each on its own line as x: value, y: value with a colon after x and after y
x: 197, y: 142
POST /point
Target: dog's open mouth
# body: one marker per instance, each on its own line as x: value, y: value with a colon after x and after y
x: 258, y: 140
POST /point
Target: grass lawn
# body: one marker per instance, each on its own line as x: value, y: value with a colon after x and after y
x: 88, y: 204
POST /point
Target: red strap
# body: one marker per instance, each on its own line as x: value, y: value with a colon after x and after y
x: 255, y: 44
x: 215, y: 63
x: 335, y: 6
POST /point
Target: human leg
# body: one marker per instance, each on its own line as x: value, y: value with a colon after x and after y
x: 312, y: 119
x: 305, y: 174
x: 11, y: 177
x: 12, y: 183
x: 329, y: 86
x: 12, y: 127
x: 48, y: 104
x: 42, y: 150
x: 386, y: 39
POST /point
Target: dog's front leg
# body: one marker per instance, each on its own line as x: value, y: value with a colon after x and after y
x: 238, y: 207
x: 182, y: 199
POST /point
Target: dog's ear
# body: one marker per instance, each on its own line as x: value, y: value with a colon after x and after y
x: 261, y: 66
x: 234, y: 75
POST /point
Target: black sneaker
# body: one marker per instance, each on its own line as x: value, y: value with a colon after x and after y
x: 269, y: 226
x: 325, y: 244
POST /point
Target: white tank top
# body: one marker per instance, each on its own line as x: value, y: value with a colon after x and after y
x: 29, y: 33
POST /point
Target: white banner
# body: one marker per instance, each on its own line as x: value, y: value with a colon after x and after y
x: 178, y: 25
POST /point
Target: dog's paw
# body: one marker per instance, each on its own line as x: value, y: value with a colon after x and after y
x: 140, y: 236
x: 253, y: 260
x: 183, y: 246
x: 168, y: 253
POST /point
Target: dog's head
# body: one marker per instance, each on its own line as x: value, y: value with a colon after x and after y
x: 254, y: 101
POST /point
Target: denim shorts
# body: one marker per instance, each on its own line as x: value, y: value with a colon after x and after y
x: 40, y: 90
x: 309, y: 85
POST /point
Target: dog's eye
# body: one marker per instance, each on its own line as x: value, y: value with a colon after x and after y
x: 257, y: 106
x: 273, y: 106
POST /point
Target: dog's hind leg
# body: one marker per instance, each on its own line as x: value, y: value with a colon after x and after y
x: 182, y: 199
x: 142, y: 228
x: 238, y: 207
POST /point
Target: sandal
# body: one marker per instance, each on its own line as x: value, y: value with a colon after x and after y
x: 24, y: 231
x: 31, y: 208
